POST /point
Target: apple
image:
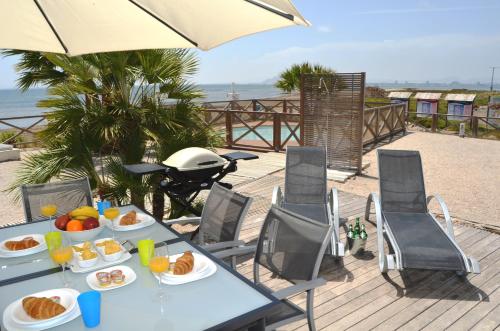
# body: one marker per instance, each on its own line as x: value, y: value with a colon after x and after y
x: 61, y: 222
x: 90, y: 223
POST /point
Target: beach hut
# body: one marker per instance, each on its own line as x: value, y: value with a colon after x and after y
x: 427, y: 103
x: 401, y: 97
x: 460, y: 106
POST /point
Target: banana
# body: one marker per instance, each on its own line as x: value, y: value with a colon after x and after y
x: 84, y: 211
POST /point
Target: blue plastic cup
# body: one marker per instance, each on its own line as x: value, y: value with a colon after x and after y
x: 90, y: 307
x: 102, y: 206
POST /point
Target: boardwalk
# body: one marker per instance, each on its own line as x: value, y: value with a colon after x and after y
x: 358, y: 297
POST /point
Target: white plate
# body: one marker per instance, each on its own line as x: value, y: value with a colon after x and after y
x: 203, y: 267
x: 145, y: 221
x: 15, y: 318
x: 4, y: 252
x: 101, y: 262
x: 129, y: 274
x: 10, y: 325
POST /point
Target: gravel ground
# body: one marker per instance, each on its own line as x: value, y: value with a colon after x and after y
x: 464, y: 171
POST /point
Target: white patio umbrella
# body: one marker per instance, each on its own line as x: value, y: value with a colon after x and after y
x: 78, y: 27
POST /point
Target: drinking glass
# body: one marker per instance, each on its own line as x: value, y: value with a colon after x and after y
x: 111, y: 214
x: 62, y: 255
x: 48, y: 209
x: 158, y: 264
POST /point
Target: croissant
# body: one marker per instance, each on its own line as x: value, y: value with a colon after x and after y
x: 18, y: 245
x: 184, y: 264
x: 42, y: 308
x: 129, y: 218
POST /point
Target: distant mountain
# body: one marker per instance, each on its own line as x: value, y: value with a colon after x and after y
x: 271, y: 81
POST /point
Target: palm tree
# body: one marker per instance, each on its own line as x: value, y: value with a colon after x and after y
x: 107, y: 105
x: 290, y: 78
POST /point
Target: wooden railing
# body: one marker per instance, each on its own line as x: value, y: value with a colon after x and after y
x: 474, y: 123
x: 21, y: 131
x: 382, y: 122
x: 256, y: 129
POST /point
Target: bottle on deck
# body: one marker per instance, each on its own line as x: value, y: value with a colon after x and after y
x: 363, y: 234
x: 350, y: 233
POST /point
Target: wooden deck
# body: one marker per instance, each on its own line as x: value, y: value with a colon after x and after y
x: 358, y: 297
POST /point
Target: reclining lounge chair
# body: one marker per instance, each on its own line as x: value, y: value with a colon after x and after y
x: 416, y: 239
x: 306, y: 191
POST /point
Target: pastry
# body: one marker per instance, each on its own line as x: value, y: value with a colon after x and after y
x: 129, y: 218
x: 117, y: 276
x: 18, y: 245
x: 88, y: 255
x: 42, y: 308
x: 103, y: 278
x: 184, y: 264
x: 85, y: 246
x: 110, y: 246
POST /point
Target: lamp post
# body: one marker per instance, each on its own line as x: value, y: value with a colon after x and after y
x: 492, y: 76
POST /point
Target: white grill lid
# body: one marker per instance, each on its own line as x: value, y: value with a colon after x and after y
x: 194, y: 158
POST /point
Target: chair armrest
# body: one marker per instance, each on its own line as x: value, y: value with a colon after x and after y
x: 223, y: 245
x: 444, y: 208
x: 183, y: 220
x: 235, y: 252
x: 277, y: 198
x: 299, y: 288
x: 333, y: 199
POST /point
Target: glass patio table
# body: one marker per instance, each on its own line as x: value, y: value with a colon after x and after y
x: 225, y: 300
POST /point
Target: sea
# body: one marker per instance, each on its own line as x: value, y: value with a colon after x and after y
x: 14, y: 103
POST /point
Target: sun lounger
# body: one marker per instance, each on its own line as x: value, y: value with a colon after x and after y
x: 416, y: 239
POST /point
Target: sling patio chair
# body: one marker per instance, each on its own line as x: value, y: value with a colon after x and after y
x: 291, y: 247
x: 66, y: 195
x: 416, y: 239
x: 306, y: 191
x: 220, y: 221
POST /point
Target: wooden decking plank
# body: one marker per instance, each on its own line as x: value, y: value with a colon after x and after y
x: 486, y: 284
x: 489, y: 322
x: 418, y: 299
x: 332, y: 315
x: 366, y: 308
x: 477, y: 313
x: 421, y: 312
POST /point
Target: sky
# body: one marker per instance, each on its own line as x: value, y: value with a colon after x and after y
x: 412, y: 40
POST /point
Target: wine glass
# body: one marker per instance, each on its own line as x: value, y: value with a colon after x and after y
x: 62, y: 255
x: 111, y: 214
x: 48, y: 209
x: 158, y: 264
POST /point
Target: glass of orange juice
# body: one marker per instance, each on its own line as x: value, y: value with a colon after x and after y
x: 62, y: 255
x: 48, y: 209
x: 111, y: 214
x: 159, y: 264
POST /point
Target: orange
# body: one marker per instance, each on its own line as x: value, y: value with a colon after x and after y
x: 74, y: 225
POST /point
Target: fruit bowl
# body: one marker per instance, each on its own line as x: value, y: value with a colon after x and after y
x: 84, y: 235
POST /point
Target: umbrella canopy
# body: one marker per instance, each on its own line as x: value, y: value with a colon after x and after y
x: 78, y: 27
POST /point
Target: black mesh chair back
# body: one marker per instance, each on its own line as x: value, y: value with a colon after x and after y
x: 222, y: 215
x: 291, y: 246
x: 66, y: 195
x: 401, y: 181
x: 305, y: 177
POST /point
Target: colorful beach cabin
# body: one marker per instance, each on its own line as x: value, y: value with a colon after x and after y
x: 427, y: 103
x: 460, y: 106
x: 401, y: 97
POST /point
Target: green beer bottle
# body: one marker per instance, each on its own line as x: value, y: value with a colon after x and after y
x: 357, y: 228
x: 350, y: 233
x: 363, y: 234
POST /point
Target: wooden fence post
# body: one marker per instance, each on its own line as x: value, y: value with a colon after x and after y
x: 229, y: 129
x: 277, y: 132
x: 284, y: 106
x: 475, y: 125
x: 254, y: 105
x: 434, y: 122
